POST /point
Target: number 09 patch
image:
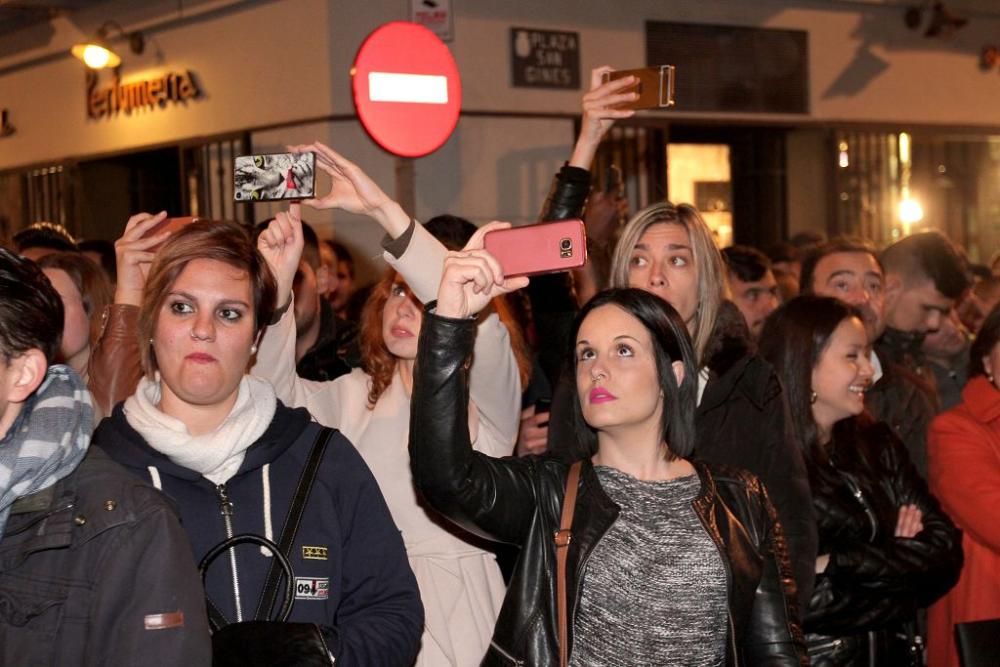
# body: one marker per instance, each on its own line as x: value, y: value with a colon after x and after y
x: 310, y: 588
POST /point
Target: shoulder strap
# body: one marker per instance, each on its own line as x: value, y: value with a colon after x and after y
x: 265, y: 605
x: 562, y: 539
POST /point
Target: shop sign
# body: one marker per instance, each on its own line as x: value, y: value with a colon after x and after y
x: 172, y: 87
x: 435, y: 15
x: 545, y: 58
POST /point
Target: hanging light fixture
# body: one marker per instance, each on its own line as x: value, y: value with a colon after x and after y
x: 97, y: 53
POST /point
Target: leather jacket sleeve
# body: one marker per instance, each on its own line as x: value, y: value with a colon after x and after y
x: 553, y: 304
x: 774, y: 636
x: 114, y: 368
x: 493, y: 498
x: 926, y: 565
x: 868, y: 583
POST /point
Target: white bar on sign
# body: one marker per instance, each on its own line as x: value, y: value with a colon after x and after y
x: 413, y: 88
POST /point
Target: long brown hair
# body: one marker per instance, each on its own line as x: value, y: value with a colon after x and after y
x: 379, y: 363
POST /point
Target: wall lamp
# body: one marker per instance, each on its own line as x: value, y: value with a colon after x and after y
x: 98, y: 54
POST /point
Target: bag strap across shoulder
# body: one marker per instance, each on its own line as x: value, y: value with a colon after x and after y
x: 269, y: 595
x: 562, y: 540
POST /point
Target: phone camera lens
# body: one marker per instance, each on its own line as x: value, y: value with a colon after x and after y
x: 566, y: 244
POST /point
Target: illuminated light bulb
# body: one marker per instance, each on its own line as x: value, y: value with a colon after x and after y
x: 96, y: 57
x: 910, y: 211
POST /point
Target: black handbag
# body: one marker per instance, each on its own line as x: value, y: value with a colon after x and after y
x: 263, y: 641
x: 978, y: 643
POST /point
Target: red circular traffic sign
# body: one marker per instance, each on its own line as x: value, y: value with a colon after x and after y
x: 406, y: 89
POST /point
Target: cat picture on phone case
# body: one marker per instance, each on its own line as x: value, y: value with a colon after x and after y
x: 274, y: 176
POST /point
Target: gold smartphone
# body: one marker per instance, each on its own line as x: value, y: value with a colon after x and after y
x: 655, y: 86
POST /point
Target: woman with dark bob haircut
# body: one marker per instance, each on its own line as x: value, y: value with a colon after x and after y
x: 964, y: 471
x: 218, y: 442
x: 885, y: 546
x: 669, y: 561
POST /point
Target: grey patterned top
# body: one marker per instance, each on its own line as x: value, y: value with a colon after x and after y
x: 654, y: 587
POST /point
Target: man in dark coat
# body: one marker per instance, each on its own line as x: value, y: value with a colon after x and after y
x: 94, y: 566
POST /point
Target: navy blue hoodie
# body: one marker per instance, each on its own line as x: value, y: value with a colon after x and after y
x: 352, y: 574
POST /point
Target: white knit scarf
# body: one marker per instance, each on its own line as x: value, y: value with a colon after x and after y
x: 216, y: 455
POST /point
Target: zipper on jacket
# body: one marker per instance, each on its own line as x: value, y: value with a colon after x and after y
x: 226, y: 509
x: 860, y: 497
x: 496, y: 647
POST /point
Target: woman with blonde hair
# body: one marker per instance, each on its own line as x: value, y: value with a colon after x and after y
x: 668, y: 250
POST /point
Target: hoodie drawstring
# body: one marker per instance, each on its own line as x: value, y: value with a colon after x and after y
x: 268, y: 528
x: 154, y: 475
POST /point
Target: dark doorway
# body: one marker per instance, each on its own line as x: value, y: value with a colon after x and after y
x: 113, y: 189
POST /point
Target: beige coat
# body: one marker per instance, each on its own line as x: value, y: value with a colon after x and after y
x: 460, y: 584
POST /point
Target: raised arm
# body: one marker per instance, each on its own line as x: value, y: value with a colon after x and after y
x: 114, y: 368
x: 492, y: 497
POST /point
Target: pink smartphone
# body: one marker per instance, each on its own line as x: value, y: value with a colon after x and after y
x: 548, y: 247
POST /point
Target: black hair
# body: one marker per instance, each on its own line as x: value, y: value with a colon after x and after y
x: 746, y: 263
x: 44, y: 235
x: 106, y: 251
x: 783, y: 252
x: 452, y: 231
x: 987, y: 337
x: 31, y: 312
x: 343, y: 255
x: 840, y: 244
x: 793, y: 339
x: 671, y: 343
x: 929, y: 255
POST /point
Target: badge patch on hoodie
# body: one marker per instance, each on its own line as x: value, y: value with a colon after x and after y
x: 312, y: 588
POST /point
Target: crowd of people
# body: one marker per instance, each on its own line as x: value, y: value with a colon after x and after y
x: 214, y: 446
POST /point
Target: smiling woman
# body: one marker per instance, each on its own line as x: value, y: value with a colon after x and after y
x: 876, y: 520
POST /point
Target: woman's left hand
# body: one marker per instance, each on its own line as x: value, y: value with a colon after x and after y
x: 472, y: 278
x: 281, y: 245
x: 910, y: 521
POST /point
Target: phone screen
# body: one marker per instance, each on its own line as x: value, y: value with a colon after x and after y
x: 274, y: 176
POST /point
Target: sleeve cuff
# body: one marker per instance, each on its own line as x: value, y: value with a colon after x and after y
x: 397, y: 246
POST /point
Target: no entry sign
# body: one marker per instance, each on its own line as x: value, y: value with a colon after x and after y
x: 406, y: 89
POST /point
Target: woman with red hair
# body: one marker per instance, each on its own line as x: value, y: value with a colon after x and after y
x: 460, y: 583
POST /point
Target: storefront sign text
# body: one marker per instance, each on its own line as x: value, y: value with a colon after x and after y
x: 545, y: 58
x: 176, y: 87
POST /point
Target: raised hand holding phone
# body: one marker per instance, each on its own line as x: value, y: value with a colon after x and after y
x: 281, y: 245
x: 134, y: 252
x: 600, y: 112
x: 352, y: 190
x: 472, y: 278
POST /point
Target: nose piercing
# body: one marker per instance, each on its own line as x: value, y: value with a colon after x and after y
x: 600, y: 376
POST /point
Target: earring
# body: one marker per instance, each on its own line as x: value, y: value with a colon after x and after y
x: 253, y: 350
x: 989, y: 376
x: 151, y: 342
x: 813, y: 397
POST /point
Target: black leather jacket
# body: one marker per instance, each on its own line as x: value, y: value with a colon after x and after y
x: 519, y: 501
x: 742, y: 420
x: 864, y: 604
